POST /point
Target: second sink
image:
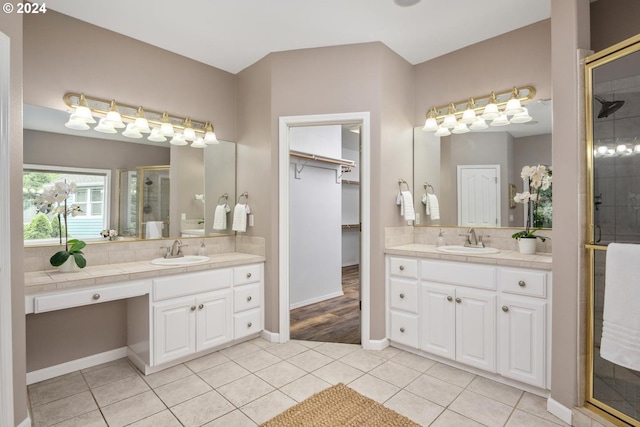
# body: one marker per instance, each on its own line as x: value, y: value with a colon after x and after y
x: 466, y: 250
x: 185, y: 260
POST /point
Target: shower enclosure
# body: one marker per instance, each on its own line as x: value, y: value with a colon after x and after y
x: 612, y: 80
x: 143, y: 202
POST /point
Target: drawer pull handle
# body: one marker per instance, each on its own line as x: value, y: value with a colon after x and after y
x: 249, y: 325
x: 505, y: 308
x: 249, y: 298
x: 193, y: 308
x: 458, y: 300
x: 402, y: 268
x: 201, y: 306
x: 402, y: 330
x: 401, y: 296
x: 248, y: 275
x: 522, y: 283
x: 96, y: 296
x: 449, y: 298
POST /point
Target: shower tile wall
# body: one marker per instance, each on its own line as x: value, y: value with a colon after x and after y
x: 617, y: 213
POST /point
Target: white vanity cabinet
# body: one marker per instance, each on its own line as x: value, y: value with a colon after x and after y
x: 522, y: 325
x: 484, y: 316
x: 247, y: 300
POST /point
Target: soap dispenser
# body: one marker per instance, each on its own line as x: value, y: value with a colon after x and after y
x: 440, y: 241
x: 202, y: 251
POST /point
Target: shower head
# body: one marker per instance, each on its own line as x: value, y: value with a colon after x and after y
x: 608, y: 107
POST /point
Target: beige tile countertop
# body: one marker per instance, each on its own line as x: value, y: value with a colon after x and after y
x: 52, y: 280
x: 506, y: 258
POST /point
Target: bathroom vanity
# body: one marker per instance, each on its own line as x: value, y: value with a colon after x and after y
x: 490, y: 313
x: 174, y: 313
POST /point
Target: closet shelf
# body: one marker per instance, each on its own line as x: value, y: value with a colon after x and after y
x: 350, y: 226
x: 347, y: 182
x: 309, y: 156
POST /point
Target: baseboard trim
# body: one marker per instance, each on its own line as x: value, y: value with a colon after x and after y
x: 316, y: 300
x: 377, y: 345
x: 559, y: 410
x: 270, y: 336
x: 25, y: 423
x: 75, y: 365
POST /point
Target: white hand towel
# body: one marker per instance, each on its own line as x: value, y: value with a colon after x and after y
x: 405, y: 200
x: 240, y: 213
x: 620, y: 342
x: 425, y: 201
x: 220, y: 217
x: 433, y: 207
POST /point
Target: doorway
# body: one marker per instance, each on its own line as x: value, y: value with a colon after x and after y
x: 360, y: 120
x: 479, y: 195
x: 325, y: 233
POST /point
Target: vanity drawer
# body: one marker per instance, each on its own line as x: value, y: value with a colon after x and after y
x: 247, y: 274
x: 404, y: 295
x: 247, y: 323
x: 62, y: 300
x: 191, y: 283
x: 403, y: 267
x: 404, y: 329
x: 458, y: 273
x: 246, y: 297
x: 523, y: 282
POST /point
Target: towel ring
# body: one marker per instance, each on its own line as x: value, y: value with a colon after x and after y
x: 224, y: 198
x: 428, y: 186
x: 402, y: 181
x: 245, y: 195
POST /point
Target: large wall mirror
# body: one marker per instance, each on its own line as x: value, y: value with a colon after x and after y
x: 141, y: 189
x: 495, y: 155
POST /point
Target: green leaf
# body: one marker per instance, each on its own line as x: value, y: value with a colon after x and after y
x: 59, y: 258
x: 76, y: 245
x: 80, y: 260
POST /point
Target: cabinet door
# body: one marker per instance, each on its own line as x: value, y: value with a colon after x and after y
x: 476, y: 328
x: 437, y: 317
x: 522, y: 329
x: 214, y: 319
x: 174, y: 329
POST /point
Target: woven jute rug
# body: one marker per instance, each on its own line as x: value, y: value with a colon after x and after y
x: 339, y: 406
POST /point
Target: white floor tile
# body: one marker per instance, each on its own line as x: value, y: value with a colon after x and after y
x: 161, y: 419
x: 236, y: 419
x: 182, y: 390
x: 268, y: 406
x: 167, y: 376
x: 63, y: 409
x: 132, y: 409
x: 119, y: 390
x: 374, y: 388
x: 202, y: 409
x: 48, y: 391
x: 363, y: 359
x: 280, y: 374
x: 257, y: 360
x: 223, y: 374
x: 245, y: 390
x: 451, y: 375
x: 206, y: 362
x: 310, y: 360
x: 337, y: 372
x: 304, y: 387
x: 481, y: 409
x: 414, y: 407
x: 394, y: 373
x: 435, y: 390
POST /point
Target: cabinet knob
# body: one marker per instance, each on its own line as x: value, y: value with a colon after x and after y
x: 248, y: 275
x: 522, y: 283
x: 201, y: 306
x: 402, y: 330
x: 249, y: 325
x: 458, y: 300
x: 449, y: 298
x: 193, y: 308
x: 505, y: 308
x: 401, y: 296
x: 402, y: 268
x: 96, y: 296
x: 249, y: 298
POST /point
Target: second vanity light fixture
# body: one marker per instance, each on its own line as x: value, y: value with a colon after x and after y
x: 498, y: 108
x: 159, y: 125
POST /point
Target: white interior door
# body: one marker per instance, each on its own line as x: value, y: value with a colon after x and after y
x: 479, y: 195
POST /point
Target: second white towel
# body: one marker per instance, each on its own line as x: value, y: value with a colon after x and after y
x: 621, y: 318
x: 220, y: 217
x: 405, y: 200
x: 240, y: 213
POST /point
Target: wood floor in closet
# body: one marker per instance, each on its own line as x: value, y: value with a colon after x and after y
x: 333, y: 320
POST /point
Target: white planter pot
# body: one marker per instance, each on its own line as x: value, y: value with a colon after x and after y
x: 527, y: 245
x: 69, y: 266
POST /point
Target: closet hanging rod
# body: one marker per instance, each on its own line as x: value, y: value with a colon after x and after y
x: 302, y: 155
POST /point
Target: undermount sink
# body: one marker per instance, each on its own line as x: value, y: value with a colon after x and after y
x: 185, y: 260
x: 466, y: 250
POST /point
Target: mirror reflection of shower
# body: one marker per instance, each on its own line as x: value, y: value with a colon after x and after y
x: 608, y: 107
x: 144, y: 202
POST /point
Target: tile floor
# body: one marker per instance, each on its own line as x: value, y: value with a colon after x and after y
x: 249, y: 383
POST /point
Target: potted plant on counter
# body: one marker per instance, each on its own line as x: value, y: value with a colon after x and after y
x: 539, y: 179
x: 53, y: 199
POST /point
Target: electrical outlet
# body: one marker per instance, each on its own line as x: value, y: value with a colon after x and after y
x: 250, y: 220
x: 417, y: 218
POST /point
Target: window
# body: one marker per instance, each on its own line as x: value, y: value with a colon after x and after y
x: 93, y: 188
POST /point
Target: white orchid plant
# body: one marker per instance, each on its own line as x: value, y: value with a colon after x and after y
x: 540, y: 179
x: 53, y: 199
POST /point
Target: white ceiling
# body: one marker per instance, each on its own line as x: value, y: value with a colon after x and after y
x: 233, y: 34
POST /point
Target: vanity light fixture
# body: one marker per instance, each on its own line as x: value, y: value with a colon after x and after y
x: 499, y: 108
x: 136, y: 121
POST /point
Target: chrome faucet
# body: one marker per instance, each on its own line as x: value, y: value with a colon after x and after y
x: 473, y: 240
x: 175, y: 250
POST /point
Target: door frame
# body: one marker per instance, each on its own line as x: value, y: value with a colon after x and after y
x: 285, y: 123
x: 6, y: 340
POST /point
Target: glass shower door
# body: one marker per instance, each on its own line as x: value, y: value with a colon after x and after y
x: 613, y: 137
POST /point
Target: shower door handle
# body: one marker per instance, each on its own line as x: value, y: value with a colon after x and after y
x: 599, y: 233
